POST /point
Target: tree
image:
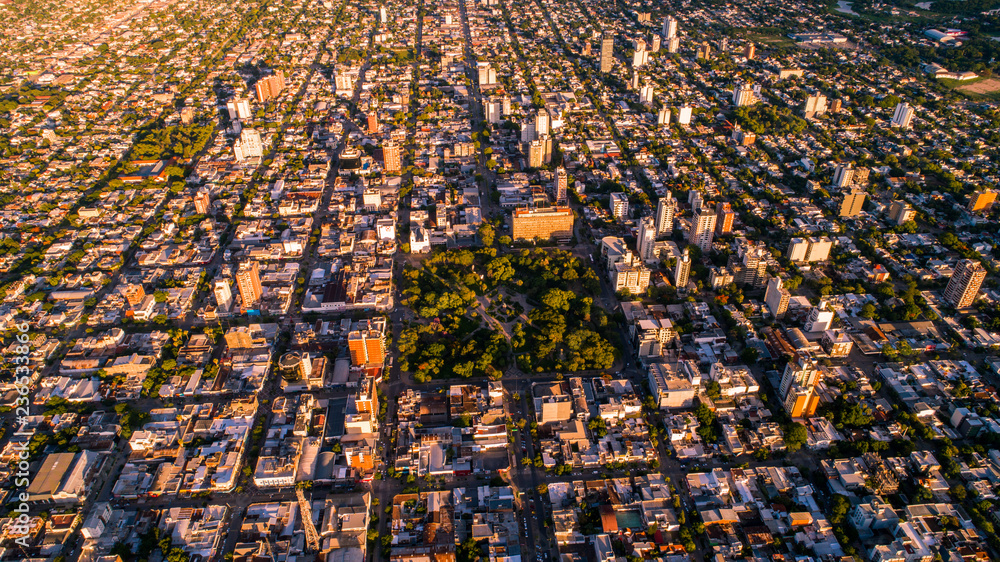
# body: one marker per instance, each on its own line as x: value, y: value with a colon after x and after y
x: 839, y: 505
x: 868, y: 311
x: 749, y: 355
x: 795, y: 436
x: 486, y: 233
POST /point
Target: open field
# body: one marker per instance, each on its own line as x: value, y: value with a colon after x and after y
x: 985, y: 87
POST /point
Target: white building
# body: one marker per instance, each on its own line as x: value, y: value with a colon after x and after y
x: 248, y: 146
x: 238, y: 109
x: 902, y: 116
x: 684, y: 115
x: 665, y: 215
x: 646, y: 242
x: 619, y: 205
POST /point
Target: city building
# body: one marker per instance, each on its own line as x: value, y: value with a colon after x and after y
x: 487, y: 74
x: 607, y: 52
x: 134, y: 294
x: 798, y: 386
x: 743, y: 95
x: 372, y: 122
x: 665, y: 215
x: 238, y: 109
x: 671, y: 386
x: 820, y: 319
x: 750, y: 51
x: 619, y: 205
x: 640, y: 56
x: 902, y: 115
x: 901, y: 212
x: 223, y: 295
x: 270, y: 87
x: 776, y: 297
x: 646, y: 241
x: 809, y: 249
x: 248, y: 147
x: 366, y: 343
x: 963, y: 287
x: 982, y: 200
x: 704, y: 51
x: 843, y: 176
x: 684, y: 115
x: 202, y: 202
x: 646, y: 93
x: 726, y: 216
x: 682, y: 270
x: 669, y: 28
x: 801, y: 371
x: 801, y: 402
x: 544, y: 223
x: 815, y: 106
x: 632, y: 277
x: 536, y: 154
x: 542, y: 123
x: 663, y: 116
x: 248, y: 282
x: 852, y: 203
x: 702, y: 228
x: 562, y: 181
x: 391, y: 161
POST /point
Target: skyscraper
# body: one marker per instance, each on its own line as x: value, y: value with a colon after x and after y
x: 684, y: 115
x: 702, y: 228
x: 619, y: 205
x: 202, y: 202
x: 902, y: 115
x: 367, y: 344
x: 607, y: 52
x: 744, y: 95
x: 750, y: 51
x: 724, y: 224
x: 665, y: 215
x: 843, y: 176
x: 390, y: 157
x: 493, y: 110
x: 562, y: 181
x: 542, y: 122
x: 798, y: 383
x: 372, y: 122
x: 536, y: 154
x: 852, y: 204
x: 663, y: 116
x: 982, y: 200
x: 646, y: 94
x: 776, y: 297
x: 383, y: 16
x: 270, y: 87
x: 900, y: 212
x: 669, y: 28
x: 682, y: 270
x: 248, y: 282
x: 963, y: 287
x: 646, y: 241
x: 704, y: 51
x: 223, y: 295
